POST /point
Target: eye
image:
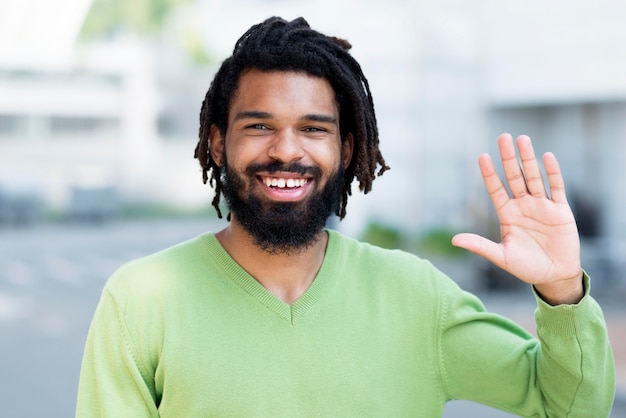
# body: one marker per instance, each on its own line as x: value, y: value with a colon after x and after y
x: 314, y: 129
x: 258, y: 126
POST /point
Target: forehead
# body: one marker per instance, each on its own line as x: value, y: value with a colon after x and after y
x: 283, y: 91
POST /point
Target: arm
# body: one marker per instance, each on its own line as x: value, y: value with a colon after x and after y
x: 489, y: 359
x: 574, y: 371
x: 113, y: 381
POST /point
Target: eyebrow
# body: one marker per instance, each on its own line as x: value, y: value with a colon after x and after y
x: 314, y: 117
x: 256, y: 114
x: 252, y: 114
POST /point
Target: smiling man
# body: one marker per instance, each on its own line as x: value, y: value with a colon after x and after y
x: 276, y: 316
x: 283, y: 159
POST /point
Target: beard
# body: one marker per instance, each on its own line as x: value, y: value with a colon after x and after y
x: 281, y: 227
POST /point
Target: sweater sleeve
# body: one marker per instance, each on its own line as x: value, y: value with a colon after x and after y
x: 113, y: 381
x: 567, y: 372
x: 575, y: 348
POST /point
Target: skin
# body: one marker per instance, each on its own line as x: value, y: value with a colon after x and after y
x: 286, y: 117
x: 540, y: 243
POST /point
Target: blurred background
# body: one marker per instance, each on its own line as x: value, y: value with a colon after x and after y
x: 99, y: 105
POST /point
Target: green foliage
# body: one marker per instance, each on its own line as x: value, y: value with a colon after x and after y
x: 434, y: 242
x: 138, y: 16
x: 438, y: 241
x: 383, y: 236
x: 195, y: 49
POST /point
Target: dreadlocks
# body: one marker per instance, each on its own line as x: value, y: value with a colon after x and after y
x: 278, y: 45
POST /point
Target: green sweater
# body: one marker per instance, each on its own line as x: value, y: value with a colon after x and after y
x: 188, y: 333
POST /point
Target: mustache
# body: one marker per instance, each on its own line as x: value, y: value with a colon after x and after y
x: 276, y: 166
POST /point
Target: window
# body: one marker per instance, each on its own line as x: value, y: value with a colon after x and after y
x: 73, y: 125
x: 11, y: 125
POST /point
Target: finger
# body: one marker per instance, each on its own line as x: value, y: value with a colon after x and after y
x: 555, y: 178
x: 512, y: 170
x: 480, y: 246
x: 532, y: 172
x: 495, y: 188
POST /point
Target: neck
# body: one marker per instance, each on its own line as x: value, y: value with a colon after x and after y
x: 286, y: 275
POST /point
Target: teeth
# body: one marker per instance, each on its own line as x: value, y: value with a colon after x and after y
x: 282, y: 183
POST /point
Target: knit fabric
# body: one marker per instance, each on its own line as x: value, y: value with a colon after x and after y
x: 187, y: 332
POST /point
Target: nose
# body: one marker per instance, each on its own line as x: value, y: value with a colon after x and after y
x: 286, y: 147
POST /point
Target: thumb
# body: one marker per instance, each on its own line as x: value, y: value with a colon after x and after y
x: 480, y: 246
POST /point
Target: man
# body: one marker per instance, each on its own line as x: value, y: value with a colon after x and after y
x: 275, y: 316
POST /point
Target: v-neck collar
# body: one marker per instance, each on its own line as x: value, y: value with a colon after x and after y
x: 250, y: 285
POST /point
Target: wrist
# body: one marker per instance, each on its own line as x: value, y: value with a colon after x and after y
x: 564, y: 292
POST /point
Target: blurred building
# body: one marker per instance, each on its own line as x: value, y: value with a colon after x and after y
x: 561, y: 81
x: 60, y: 130
x: 447, y: 78
x: 86, y: 128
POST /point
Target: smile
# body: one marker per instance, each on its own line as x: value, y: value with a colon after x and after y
x: 281, y: 183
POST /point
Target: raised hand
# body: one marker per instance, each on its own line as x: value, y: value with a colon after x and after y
x: 540, y: 243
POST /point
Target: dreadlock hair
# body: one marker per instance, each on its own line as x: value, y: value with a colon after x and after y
x: 279, y: 45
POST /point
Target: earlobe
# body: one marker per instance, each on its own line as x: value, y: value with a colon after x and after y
x: 216, y: 145
x: 346, y: 149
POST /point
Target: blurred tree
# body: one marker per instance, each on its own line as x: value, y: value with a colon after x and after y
x: 195, y: 48
x: 143, y: 17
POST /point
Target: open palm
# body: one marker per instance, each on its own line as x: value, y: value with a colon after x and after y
x: 540, y: 243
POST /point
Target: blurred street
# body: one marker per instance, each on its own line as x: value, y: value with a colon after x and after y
x: 51, y: 276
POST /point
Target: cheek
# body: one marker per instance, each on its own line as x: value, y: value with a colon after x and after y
x: 325, y: 155
x: 240, y: 155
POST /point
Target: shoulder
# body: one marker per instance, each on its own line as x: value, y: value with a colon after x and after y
x: 159, y: 272
x: 376, y: 257
x: 409, y: 283
x: 387, y: 266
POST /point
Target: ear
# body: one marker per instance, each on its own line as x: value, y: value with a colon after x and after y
x: 347, y: 148
x: 216, y: 145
